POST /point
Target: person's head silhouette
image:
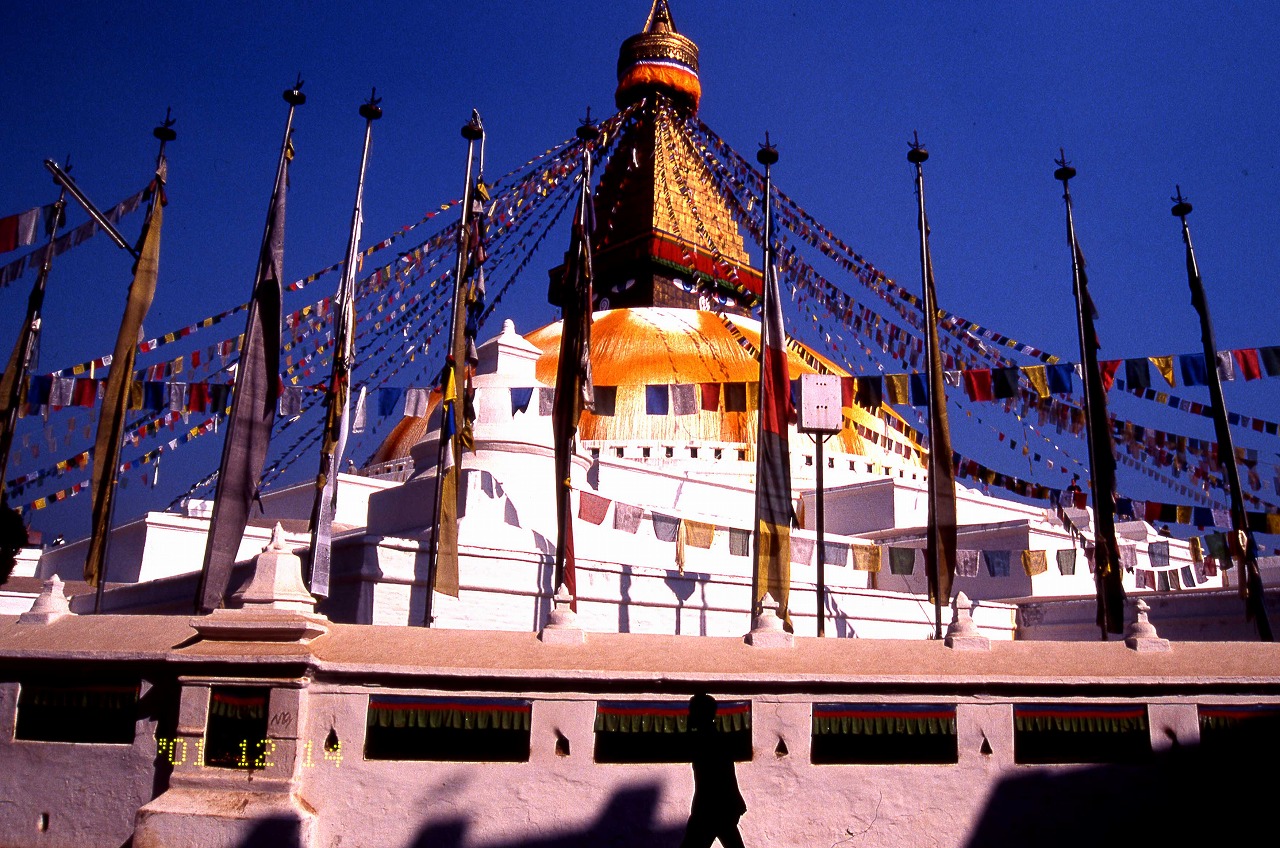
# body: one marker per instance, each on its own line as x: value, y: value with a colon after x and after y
x: 702, y: 712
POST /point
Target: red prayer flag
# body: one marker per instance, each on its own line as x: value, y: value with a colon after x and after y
x: 977, y: 384
x: 710, y: 397
x: 1108, y: 370
x: 1250, y: 368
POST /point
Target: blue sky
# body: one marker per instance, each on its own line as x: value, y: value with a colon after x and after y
x: 1141, y: 96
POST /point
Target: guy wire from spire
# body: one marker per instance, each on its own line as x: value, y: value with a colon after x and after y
x: 1250, y: 579
x: 472, y: 131
x: 1101, y: 456
x: 338, y: 392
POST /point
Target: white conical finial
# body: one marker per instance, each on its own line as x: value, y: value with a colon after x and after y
x: 562, y: 622
x: 767, y: 629
x: 1141, y: 635
x: 51, y: 604
x: 962, y: 632
x: 277, y: 543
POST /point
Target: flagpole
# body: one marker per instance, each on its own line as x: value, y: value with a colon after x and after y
x: 1101, y: 465
x: 575, y: 342
x: 63, y: 179
x: 97, y: 561
x: 337, y: 396
x: 15, y: 379
x: 774, y: 511
x: 1250, y: 578
x: 24, y: 350
x: 295, y: 98
x: 472, y: 131
x: 941, y: 532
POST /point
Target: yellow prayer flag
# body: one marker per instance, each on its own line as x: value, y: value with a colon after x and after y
x: 898, y: 388
x: 1164, y: 364
x: 1035, y: 562
x: 866, y: 557
x: 1038, y: 378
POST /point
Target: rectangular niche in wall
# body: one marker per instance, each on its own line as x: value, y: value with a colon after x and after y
x: 92, y: 712
x: 852, y: 733
x: 1240, y: 727
x: 412, y: 727
x: 236, y: 735
x: 1080, y: 733
x: 658, y: 731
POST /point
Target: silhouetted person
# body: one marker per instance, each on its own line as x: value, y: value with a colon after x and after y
x: 717, y: 803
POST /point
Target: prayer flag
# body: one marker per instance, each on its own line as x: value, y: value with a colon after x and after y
x: 1194, y: 370
x: 253, y: 404
x: 1034, y: 562
x: 1004, y: 383
x: 1038, y: 378
x: 977, y: 384
x: 1250, y: 369
x: 1059, y: 377
x: 115, y: 403
x: 24, y: 228
x: 710, y: 396
x: 656, y: 399
x: 1164, y: 364
x: 1137, y: 374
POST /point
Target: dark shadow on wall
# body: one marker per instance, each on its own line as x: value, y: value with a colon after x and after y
x: 1208, y: 794
x: 274, y: 832
x: 627, y: 821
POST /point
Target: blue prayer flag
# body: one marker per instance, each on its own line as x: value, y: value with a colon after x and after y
x: 997, y: 563
x: 657, y: 400
x: 1194, y: 371
x: 1059, y: 379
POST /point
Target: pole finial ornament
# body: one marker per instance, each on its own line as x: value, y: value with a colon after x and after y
x: 588, y: 128
x: 473, y: 130
x: 294, y: 96
x: 164, y: 132
x: 369, y: 110
x: 1181, y: 205
x: 768, y: 153
x: 1064, y: 172
x: 917, y: 155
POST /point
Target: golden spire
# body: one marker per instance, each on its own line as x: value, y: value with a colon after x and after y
x: 659, y: 59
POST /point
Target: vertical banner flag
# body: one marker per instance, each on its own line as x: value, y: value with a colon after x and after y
x: 574, y: 390
x: 940, y: 544
x: 257, y: 390
x: 1102, y: 458
x: 115, y: 399
x: 773, y: 460
x: 333, y: 440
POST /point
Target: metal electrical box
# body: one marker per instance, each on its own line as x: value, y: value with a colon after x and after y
x: 819, y: 406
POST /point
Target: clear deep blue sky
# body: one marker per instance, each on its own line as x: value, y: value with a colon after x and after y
x: 1141, y: 95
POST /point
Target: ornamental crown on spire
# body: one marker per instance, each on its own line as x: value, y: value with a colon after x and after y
x: 658, y: 60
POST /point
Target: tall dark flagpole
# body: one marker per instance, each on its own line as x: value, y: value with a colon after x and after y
x: 115, y: 402
x: 1102, y: 460
x: 256, y: 392
x: 13, y: 385
x: 1250, y: 578
x: 574, y: 390
x: 771, y: 574
x: 444, y: 521
x: 941, y: 534
x: 337, y: 398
